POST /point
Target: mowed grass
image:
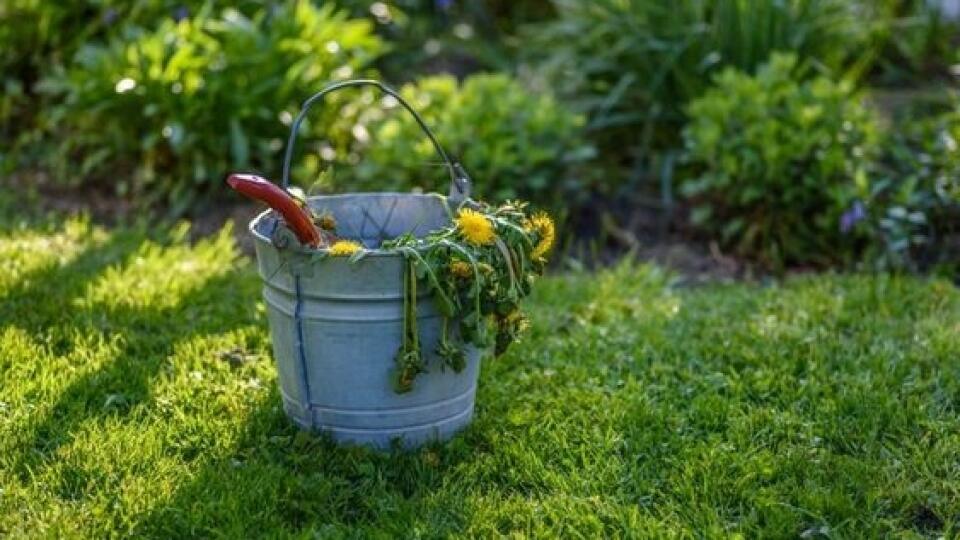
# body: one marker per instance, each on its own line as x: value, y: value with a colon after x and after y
x: 138, y: 399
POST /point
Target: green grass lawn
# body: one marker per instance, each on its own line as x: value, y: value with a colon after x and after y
x: 137, y: 398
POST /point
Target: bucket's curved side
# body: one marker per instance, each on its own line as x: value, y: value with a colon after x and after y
x: 336, y: 327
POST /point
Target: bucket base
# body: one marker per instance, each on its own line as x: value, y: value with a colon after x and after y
x: 410, y: 436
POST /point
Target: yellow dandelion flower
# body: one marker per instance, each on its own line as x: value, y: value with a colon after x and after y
x: 461, y: 269
x: 545, y: 228
x: 344, y: 248
x: 475, y: 227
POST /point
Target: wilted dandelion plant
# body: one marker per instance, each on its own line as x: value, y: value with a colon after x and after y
x: 478, y: 268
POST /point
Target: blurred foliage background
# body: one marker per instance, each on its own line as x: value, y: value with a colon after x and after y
x: 789, y: 132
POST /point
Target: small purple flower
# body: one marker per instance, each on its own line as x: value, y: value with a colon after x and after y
x: 851, y: 217
x: 181, y: 13
x: 109, y: 16
x: 444, y: 5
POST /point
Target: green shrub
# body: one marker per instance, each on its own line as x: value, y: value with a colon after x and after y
x: 914, y: 205
x: 37, y: 35
x: 187, y: 101
x: 512, y: 142
x: 459, y: 37
x: 33, y: 33
x: 633, y: 65
x: 910, y: 41
x: 779, y: 161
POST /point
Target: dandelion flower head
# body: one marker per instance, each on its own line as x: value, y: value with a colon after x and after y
x: 475, y: 227
x: 546, y: 230
x: 344, y: 248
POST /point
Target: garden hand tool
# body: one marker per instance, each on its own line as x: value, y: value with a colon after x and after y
x: 297, y: 218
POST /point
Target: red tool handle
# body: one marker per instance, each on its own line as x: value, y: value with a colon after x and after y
x: 263, y: 190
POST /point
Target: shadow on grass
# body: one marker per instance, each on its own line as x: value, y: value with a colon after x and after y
x: 144, y: 337
x: 275, y: 478
x: 146, y: 341
x: 40, y: 298
x: 39, y: 303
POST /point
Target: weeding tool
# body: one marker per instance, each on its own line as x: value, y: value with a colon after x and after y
x: 298, y: 219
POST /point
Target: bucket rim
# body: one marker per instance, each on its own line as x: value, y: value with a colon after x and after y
x: 369, y: 252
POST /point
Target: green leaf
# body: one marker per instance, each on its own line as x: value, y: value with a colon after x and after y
x: 239, y: 145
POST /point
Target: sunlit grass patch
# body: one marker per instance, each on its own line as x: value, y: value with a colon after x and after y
x: 138, y: 398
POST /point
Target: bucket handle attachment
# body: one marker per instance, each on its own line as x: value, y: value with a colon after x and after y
x: 459, y: 180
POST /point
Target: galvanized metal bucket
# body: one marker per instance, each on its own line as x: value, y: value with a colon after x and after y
x: 336, y: 325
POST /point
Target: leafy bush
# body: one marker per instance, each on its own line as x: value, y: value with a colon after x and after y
x: 462, y: 37
x: 37, y: 35
x: 910, y: 41
x: 188, y: 100
x: 33, y: 33
x: 779, y: 161
x: 914, y: 206
x: 634, y: 64
x: 512, y: 142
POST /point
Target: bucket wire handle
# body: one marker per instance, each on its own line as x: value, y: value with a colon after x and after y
x: 459, y: 180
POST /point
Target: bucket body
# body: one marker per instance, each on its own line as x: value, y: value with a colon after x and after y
x: 336, y: 327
